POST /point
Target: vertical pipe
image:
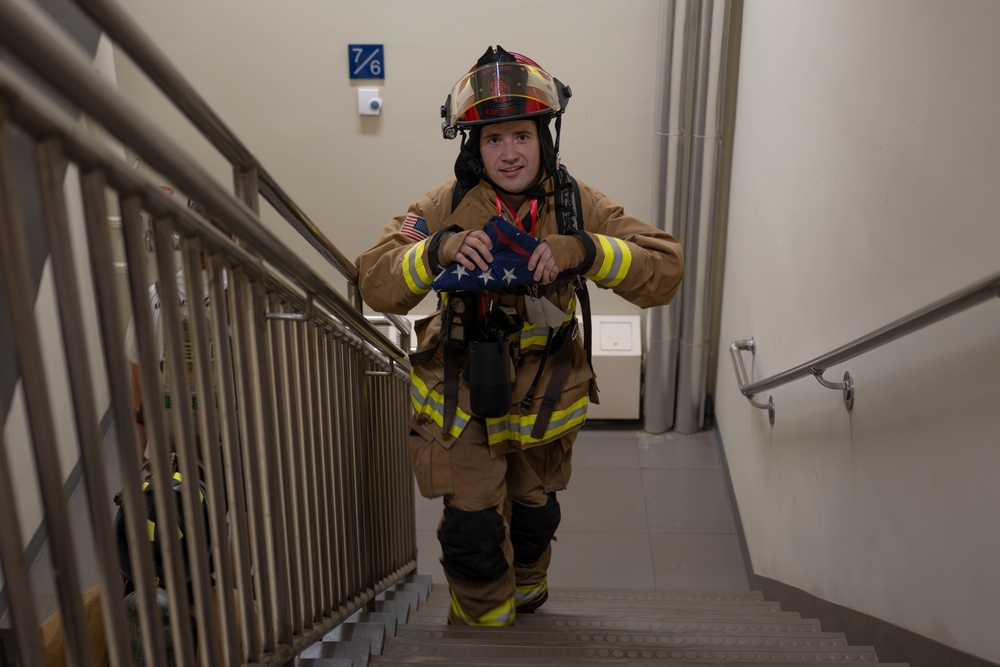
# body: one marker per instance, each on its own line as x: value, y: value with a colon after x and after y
x: 707, y: 86
x: 663, y: 323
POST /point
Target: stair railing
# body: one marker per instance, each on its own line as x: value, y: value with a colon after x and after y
x: 963, y: 299
x: 307, y: 501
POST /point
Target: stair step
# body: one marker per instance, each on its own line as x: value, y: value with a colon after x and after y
x: 729, y: 626
x: 707, y: 634
x: 393, y: 661
x: 558, y: 604
x: 357, y: 653
x: 456, y: 652
x: 781, y: 618
x: 672, y: 595
x: 371, y: 634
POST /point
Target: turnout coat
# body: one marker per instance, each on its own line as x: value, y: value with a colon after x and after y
x: 635, y: 260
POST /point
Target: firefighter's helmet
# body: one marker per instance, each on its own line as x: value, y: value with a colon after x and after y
x: 502, y: 86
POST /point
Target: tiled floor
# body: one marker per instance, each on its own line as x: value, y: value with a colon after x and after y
x: 641, y: 511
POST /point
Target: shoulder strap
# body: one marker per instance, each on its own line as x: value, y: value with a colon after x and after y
x: 569, y: 207
x: 569, y: 217
x: 458, y: 194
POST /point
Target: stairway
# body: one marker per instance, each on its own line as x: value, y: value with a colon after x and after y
x: 408, y: 625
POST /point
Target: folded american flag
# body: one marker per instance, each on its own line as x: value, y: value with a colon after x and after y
x: 512, y: 247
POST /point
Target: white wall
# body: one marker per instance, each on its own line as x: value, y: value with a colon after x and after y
x: 277, y: 73
x: 865, y: 187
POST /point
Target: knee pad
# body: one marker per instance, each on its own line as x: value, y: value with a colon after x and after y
x: 471, y: 543
x: 532, y: 529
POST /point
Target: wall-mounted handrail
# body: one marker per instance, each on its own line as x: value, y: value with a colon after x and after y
x: 963, y: 299
x: 126, y: 33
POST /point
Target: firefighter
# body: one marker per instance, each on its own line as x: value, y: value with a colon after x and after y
x: 498, y: 450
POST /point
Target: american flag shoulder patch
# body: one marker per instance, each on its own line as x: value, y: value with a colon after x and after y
x: 414, y: 228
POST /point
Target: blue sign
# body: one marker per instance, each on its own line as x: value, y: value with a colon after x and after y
x: 366, y: 61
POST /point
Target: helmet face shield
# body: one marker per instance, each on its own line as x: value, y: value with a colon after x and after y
x: 501, y: 91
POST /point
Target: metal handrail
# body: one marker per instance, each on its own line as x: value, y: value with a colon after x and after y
x: 126, y: 33
x: 956, y: 302
x: 311, y: 400
x: 33, y: 39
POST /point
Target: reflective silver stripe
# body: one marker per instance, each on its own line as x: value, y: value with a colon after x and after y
x: 431, y: 403
x: 518, y: 427
x: 617, y: 260
x: 417, y: 277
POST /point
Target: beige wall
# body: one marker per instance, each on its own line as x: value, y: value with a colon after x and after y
x: 864, y: 187
x: 277, y: 74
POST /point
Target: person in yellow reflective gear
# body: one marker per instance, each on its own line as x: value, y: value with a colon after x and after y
x: 501, y: 380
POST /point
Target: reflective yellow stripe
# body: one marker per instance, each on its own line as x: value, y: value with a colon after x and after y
x: 418, y: 279
x: 617, y: 261
x: 525, y: 594
x: 431, y: 403
x: 518, y: 427
x: 503, y: 614
x: 533, y: 335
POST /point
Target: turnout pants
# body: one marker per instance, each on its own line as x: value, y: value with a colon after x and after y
x: 500, y: 516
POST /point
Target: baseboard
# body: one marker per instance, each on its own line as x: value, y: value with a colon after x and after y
x: 892, y: 643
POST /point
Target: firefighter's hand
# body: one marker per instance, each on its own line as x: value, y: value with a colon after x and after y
x: 470, y: 249
x: 556, y: 254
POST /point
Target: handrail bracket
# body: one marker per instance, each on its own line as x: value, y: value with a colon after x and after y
x: 735, y: 351
x: 847, y: 386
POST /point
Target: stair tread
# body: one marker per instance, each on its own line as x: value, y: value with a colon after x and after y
x: 565, y: 653
x: 580, y: 597
x: 779, y: 617
x: 562, y: 605
x: 503, y: 641
x: 705, y: 634
x: 396, y: 661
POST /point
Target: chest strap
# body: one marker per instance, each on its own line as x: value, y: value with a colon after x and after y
x: 560, y: 369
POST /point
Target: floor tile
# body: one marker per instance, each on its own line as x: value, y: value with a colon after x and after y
x: 690, y: 501
x: 604, y: 501
x: 606, y: 449
x: 601, y: 560
x: 702, y: 562
x: 674, y: 450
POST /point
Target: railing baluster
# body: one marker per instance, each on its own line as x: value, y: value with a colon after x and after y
x: 16, y: 276
x: 49, y: 158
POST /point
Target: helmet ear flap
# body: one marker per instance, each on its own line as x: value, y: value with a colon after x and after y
x: 550, y: 148
x: 469, y: 163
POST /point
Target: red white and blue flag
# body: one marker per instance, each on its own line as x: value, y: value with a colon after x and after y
x: 414, y: 228
x: 512, y: 248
